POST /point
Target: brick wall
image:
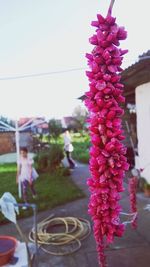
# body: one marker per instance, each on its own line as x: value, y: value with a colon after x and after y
x: 7, y: 144
x: 7, y: 141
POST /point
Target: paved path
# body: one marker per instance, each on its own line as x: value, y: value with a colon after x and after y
x: 132, y: 250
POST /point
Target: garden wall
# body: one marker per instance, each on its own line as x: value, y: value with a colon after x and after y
x: 7, y: 142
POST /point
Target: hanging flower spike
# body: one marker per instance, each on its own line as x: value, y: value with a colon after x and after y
x: 108, y: 162
x: 133, y: 182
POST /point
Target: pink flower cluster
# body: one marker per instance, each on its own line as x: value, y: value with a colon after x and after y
x: 108, y: 162
x: 133, y: 182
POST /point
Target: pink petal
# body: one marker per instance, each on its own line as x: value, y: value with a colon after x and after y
x: 93, y: 40
x: 122, y: 34
x: 95, y: 23
x: 107, y: 77
x: 111, y: 20
x: 112, y: 68
x: 100, y: 18
x: 101, y: 85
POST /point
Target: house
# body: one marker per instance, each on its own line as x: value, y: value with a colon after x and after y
x: 35, y: 125
x: 68, y: 122
x: 27, y: 127
x: 136, y: 80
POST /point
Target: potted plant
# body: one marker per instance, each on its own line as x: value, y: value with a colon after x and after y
x: 147, y: 189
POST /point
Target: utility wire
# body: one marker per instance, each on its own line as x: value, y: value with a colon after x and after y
x: 39, y: 74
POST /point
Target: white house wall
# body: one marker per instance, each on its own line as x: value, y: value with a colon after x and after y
x: 143, y: 128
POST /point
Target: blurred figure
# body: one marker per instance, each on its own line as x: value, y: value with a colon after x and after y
x: 68, y: 147
x: 26, y: 173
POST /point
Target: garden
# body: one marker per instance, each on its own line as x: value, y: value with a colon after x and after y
x: 54, y: 185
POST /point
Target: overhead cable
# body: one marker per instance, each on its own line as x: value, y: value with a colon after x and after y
x: 23, y: 76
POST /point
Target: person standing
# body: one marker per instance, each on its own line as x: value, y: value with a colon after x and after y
x: 68, y: 147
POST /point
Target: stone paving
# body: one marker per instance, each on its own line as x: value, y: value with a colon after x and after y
x: 132, y: 250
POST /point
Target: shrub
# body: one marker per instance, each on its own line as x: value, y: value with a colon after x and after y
x: 84, y: 157
x: 49, y: 160
x: 141, y: 184
x: 55, y: 129
x: 41, y: 161
x: 81, y: 147
x: 147, y: 186
x: 62, y: 171
x: 55, y: 156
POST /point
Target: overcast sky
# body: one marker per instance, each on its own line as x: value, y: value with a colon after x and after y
x: 40, y: 36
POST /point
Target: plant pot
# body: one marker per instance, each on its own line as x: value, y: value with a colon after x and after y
x: 147, y: 192
x: 7, y: 249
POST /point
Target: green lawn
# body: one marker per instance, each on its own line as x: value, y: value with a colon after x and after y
x: 81, y: 145
x: 52, y: 189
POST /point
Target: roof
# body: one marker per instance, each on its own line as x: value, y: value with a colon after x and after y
x: 135, y: 75
x: 23, y: 121
x: 30, y: 120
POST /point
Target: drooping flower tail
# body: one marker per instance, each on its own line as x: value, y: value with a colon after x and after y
x: 108, y: 162
x: 133, y: 182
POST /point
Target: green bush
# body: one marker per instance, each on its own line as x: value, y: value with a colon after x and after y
x: 55, y: 156
x: 41, y: 161
x: 84, y: 157
x: 63, y: 171
x: 81, y: 145
x: 50, y: 159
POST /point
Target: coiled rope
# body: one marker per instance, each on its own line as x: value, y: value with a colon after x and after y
x: 61, y: 236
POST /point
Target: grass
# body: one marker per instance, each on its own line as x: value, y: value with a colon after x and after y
x: 81, y: 145
x: 52, y: 189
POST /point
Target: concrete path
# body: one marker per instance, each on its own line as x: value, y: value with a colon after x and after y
x: 132, y: 250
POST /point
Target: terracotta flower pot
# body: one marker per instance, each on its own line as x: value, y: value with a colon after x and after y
x: 7, y: 249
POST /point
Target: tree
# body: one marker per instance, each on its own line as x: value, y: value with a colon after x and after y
x: 80, y: 115
x: 55, y: 129
x: 7, y: 121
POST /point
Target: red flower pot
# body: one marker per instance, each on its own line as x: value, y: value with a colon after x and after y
x: 7, y: 249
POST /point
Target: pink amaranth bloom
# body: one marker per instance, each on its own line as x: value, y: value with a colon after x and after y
x: 108, y: 162
x: 133, y: 181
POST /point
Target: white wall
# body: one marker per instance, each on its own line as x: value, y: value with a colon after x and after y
x: 143, y: 128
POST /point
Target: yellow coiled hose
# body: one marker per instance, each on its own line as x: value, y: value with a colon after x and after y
x: 64, y: 242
